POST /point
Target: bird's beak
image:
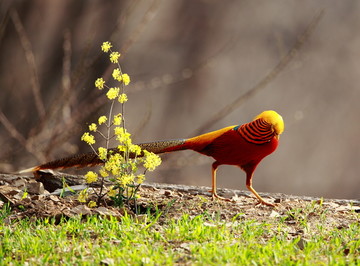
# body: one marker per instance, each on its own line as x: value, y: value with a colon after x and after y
x: 276, y: 135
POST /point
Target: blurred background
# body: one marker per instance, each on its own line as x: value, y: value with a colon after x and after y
x: 188, y: 60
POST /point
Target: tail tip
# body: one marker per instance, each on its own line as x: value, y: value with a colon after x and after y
x: 29, y: 170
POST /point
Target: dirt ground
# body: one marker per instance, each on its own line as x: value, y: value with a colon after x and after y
x: 174, y: 201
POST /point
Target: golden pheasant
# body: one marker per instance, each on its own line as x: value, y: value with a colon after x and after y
x: 243, y: 146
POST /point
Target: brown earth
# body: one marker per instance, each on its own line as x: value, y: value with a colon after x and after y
x: 174, y: 201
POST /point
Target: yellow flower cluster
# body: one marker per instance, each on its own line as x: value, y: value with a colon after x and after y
x: 117, y: 120
x: 93, y: 127
x: 102, y: 120
x: 140, y: 179
x: 114, y: 57
x: 103, y: 172
x: 122, y: 136
x: 151, y: 160
x: 126, y: 79
x: 126, y: 179
x: 106, y: 46
x: 122, y: 164
x: 89, y: 139
x: 135, y: 149
x: 91, y: 177
x: 113, y: 93
x: 113, y: 164
x: 92, y: 204
x: 99, y: 83
x: 83, y: 195
x: 117, y: 74
x: 123, y: 98
x: 112, y: 192
x: 102, y: 153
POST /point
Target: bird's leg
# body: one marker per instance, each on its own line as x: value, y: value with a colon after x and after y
x: 213, y: 185
x: 249, y: 186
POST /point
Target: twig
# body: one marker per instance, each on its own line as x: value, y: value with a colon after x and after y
x: 66, y: 77
x: 60, y: 110
x: 12, y: 130
x: 149, y: 15
x: 30, y: 58
x: 18, y: 136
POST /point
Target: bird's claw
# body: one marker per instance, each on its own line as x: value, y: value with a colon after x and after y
x: 216, y: 196
x: 265, y: 203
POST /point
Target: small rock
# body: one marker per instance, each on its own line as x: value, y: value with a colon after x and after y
x: 38, y: 197
x: 81, y: 210
x: 54, y: 198
x: 104, y: 211
x: 26, y: 200
x: 9, y: 190
x: 34, y: 187
x: 19, y: 183
x: 274, y: 214
x: 141, y: 218
x: 107, y: 261
x: 278, y: 200
x: 69, y: 190
x: 301, y: 244
x: 167, y: 193
x: 347, y: 208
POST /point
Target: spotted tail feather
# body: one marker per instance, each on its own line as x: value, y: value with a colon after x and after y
x: 91, y: 159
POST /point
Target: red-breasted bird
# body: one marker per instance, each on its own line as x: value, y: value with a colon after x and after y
x: 243, y: 146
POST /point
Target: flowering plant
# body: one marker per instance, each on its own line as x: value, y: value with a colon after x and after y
x: 121, y: 164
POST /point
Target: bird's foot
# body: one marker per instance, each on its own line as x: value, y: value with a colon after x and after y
x: 265, y: 203
x: 216, y: 196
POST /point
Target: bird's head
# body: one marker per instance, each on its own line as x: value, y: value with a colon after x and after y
x: 273, y: 118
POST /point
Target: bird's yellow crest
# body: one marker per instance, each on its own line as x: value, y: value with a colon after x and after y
x: 274, y: 119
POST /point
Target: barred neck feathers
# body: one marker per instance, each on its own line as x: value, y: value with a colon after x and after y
x: 257, y: 132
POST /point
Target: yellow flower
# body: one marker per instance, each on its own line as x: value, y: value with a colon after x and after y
x: 102, y: 119
x: 117, y: 120
x: 106, y: 46
x: 102, y: 153
x: 112, y: 93
x: 99, y: 83
x: 122, y: 136
x: 123, y: 98
x: 132, y: 164
x: 151, y: 160
x: 93, y: 127
x: 117, y: 74
x: 103, y: 172
x: 126, y: 179
x: 136, y: 149
x: 83, y: 195
x: 91, y: 177
x: 114, y: 57
x: 114, y: 163
x: 122, y: 148
x: 89, y: 139
x: 92, y: 204
x: 140, y: 178
x: 112, y: 192
x: 125, y: 79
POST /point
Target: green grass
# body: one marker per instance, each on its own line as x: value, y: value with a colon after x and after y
x: 156, y: 240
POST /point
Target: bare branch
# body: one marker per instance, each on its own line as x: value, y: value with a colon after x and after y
x: 149, y: 15
x: 11, y: 129
x: 18, y: 136
x: 30, y: 58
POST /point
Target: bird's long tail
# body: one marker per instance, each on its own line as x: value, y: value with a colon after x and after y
x: 92, y: 159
